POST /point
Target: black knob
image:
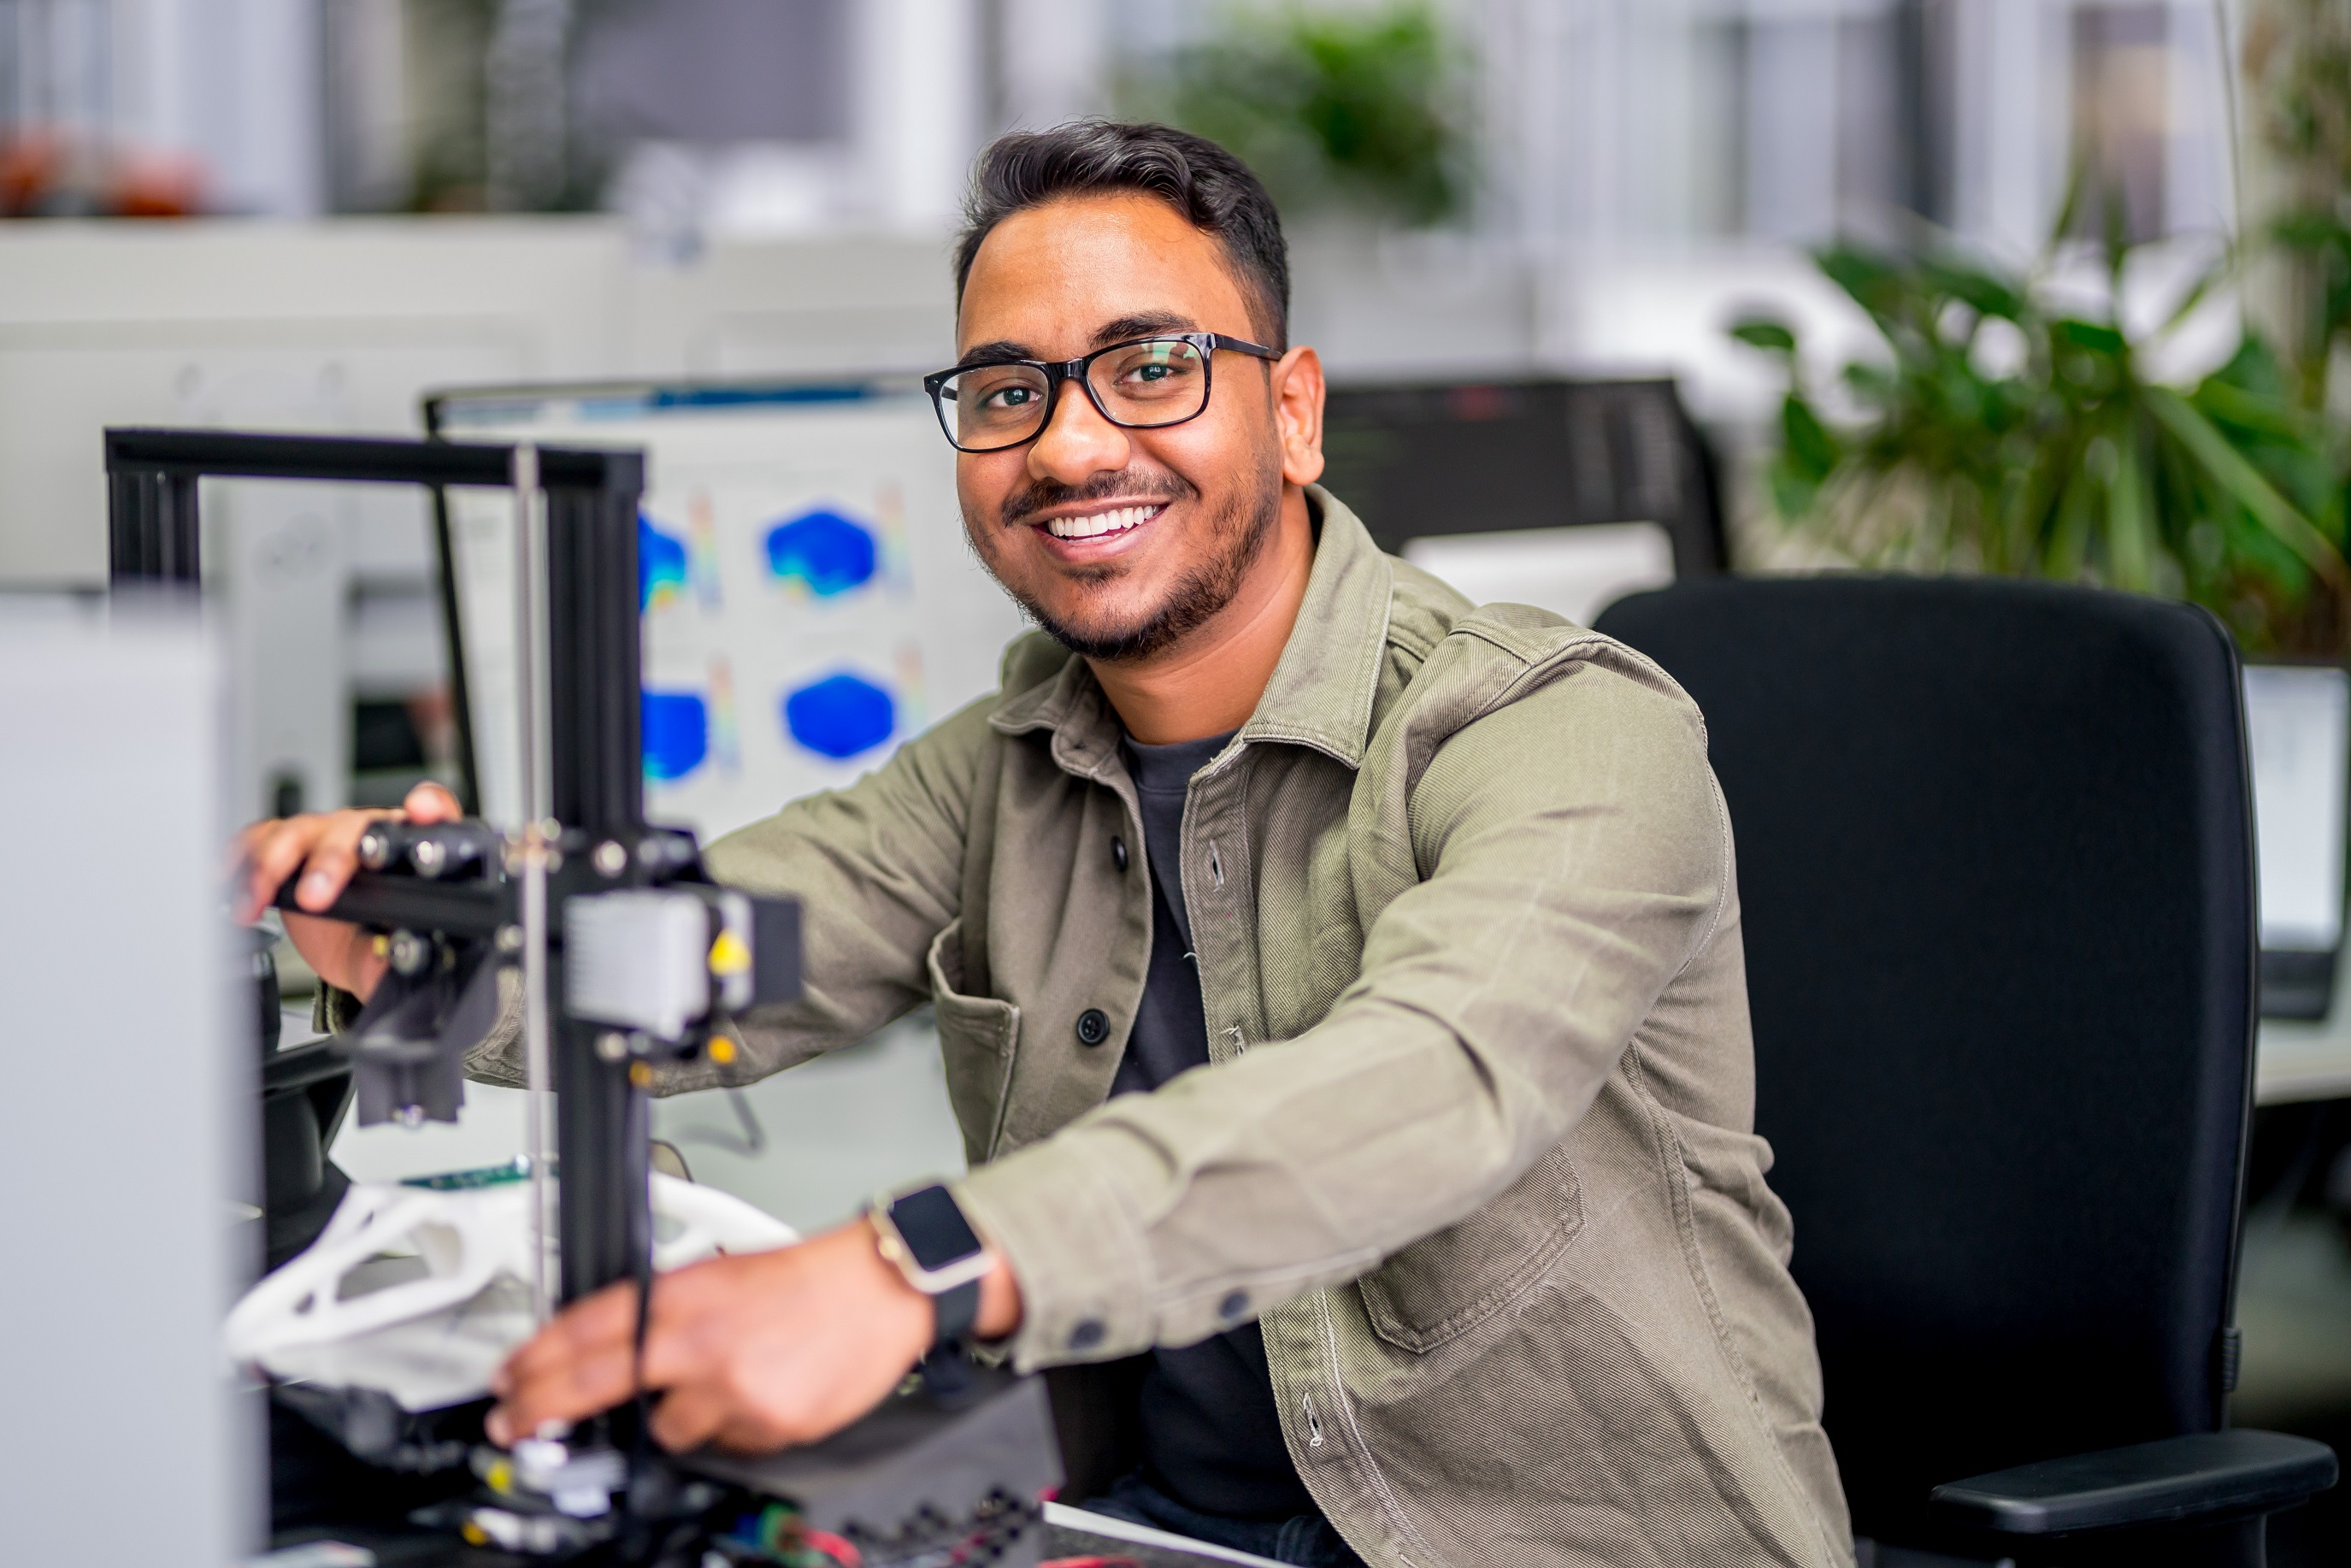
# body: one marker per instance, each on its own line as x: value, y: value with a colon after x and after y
x: 1093, y: 1027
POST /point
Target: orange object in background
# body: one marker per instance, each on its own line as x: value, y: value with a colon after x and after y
x: 45, y: 174
x: 156, y: 185
x: 30, y: 166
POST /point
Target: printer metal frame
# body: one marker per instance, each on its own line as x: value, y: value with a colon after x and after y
x: 595, y: 774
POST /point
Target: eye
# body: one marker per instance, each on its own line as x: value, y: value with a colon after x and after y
x: 1152, y: 367
x: 1008, y: 397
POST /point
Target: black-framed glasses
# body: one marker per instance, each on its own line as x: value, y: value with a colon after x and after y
x: 1140, y: 385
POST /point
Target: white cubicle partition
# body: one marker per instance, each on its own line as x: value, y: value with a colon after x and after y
x: 126, y: 1129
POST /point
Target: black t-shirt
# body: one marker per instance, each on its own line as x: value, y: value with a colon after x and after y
x: 1211, y: 1438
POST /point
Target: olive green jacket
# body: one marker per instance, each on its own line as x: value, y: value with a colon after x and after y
x: 1475, y: 1141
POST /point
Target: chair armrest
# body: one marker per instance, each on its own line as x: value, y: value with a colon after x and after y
x: 2204, y: 1475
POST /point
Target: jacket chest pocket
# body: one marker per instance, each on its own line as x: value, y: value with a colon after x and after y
x: 978, y: 1036
x: 1443, y: 1285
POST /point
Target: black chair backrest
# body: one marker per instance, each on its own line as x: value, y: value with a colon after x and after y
x: 1485, y: 457
x: 1995, y: 858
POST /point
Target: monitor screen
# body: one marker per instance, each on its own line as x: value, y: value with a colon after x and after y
x: 809, y: 601
x: 1422, y: 463
x: 2298, y: 729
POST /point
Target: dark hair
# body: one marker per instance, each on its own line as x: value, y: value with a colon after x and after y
x: 1213, y: 190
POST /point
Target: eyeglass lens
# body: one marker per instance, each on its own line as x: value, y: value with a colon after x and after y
x: 1162, y: 381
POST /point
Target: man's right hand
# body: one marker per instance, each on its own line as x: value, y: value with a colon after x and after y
x: 324, y: 847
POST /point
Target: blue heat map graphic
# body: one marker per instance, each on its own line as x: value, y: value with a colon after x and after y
x: 838, y: 716
x: 823, y: 551
x: 660, y: 566
x: 676, y: 734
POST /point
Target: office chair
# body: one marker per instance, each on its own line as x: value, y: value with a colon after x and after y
x: 1994, y: 858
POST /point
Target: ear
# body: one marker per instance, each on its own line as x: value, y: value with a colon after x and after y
x: 1298, y: 415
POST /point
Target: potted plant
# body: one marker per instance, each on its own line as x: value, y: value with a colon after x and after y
x: 2008, y: 428
x: 1351, y: 111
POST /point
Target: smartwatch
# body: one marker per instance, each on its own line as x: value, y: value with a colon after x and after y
x: 925, y: 1234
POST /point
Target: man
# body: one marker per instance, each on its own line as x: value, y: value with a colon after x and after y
x: 1341, y: 989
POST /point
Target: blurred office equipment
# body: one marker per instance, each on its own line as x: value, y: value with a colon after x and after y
x: 2298, y: 729
x: 809, y: 601
x: 1995, y: 863
x: 1564, y: 495
x: 123, y: 1245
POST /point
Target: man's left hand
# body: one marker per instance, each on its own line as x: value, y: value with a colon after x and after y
x: 753, y: 1353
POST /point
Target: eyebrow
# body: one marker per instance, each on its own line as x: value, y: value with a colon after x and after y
x: 1143, y: 325
x: 1125, y: 328
x: 1001, y: 351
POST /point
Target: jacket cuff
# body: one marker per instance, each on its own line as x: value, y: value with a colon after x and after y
x: 1086, y: 1281
x: 333, y: 1011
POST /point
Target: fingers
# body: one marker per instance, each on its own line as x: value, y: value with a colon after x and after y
x: 327, y: 842
x: 334, y: 856
x: 431, y: 802
x: 586, y: 1361
x: 583, y: 1362
x: 273, y: 851
x: 608, y: 1317
x: 754, y: 1352
x: 690, y: 1417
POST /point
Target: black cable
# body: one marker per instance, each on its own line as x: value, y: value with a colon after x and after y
x: 640, y: 1261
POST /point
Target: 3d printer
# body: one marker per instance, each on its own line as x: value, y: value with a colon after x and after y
x: 628, y: 957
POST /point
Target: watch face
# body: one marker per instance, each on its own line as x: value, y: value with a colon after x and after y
x: 933, y: 1227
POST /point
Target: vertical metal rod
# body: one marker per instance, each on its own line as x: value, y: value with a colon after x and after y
x: 531, y: 713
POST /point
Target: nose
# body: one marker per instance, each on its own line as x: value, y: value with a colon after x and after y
x: 1077, y: 442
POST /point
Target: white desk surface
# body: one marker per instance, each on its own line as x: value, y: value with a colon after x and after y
x: 2306, y: 1060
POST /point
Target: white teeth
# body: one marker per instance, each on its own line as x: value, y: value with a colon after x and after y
x: 1099, y: 523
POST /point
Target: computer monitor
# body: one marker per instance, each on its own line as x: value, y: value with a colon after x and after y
x: 1564, y: 495
x: 809, y: 601
x: 2298, y: 729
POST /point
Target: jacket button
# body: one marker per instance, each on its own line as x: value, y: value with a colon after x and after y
x: 1118, y: 853
x: 1234, y: 1304
x: 1093, y: 1027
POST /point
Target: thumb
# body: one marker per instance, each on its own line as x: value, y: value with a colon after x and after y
x: 429, y: 802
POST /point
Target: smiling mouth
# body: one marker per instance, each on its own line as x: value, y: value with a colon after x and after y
x: 1099, y: 525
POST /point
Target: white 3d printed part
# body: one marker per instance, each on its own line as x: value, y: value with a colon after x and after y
x: 451, y: 1296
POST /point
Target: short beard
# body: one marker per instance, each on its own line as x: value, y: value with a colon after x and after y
x: 1240, y: 529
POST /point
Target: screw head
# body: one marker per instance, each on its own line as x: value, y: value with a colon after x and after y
x: 612, y: 857
x: 409, y: 952
x: 611, y: 1045
x: 510, y: 938
x: 428, y: 856
x: 374, y: 849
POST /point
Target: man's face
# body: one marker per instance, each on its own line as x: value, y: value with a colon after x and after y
x: 1118, y: 541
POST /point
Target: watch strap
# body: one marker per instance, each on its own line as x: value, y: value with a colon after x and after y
x: 953, y: 1312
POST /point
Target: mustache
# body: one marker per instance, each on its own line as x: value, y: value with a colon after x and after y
x: 1125, y: 486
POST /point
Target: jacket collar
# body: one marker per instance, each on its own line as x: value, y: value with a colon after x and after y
x: 1323, y: 687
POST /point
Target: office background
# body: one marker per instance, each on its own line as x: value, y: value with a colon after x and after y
x: 308, y: 214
